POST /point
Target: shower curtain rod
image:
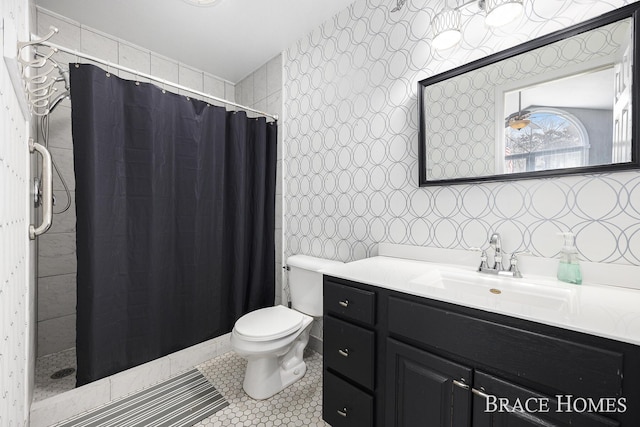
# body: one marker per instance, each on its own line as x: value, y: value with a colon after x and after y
x: 150, y: 77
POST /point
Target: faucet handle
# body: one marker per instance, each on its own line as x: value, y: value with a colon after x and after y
x: 483, y: 261
x: 513, y: 263
x: 514, y: 256
x: 483, y: 257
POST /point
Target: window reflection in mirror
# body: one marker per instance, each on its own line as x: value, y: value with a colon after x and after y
x: 552, y: 139
x: 551, y: 125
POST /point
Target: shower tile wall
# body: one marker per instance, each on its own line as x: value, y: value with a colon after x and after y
x: 262, y: 90
x: 15, y: 295
x: 57, y: 252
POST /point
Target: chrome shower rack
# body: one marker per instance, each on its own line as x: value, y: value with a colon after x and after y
x: 40, y: 73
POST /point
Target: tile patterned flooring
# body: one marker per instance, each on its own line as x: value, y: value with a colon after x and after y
x: 45, y: 366
x: 298, y: 405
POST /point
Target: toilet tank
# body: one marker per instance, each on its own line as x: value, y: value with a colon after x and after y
x: 305, y: 283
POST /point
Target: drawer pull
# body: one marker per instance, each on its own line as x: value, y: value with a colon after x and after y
x: 342, y: 412
x: 344, y: 352
x: 461, y: 384
x: 479, y: 393
x: 344, y: 303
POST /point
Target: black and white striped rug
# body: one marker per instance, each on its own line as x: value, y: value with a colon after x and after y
x: 180, y: 401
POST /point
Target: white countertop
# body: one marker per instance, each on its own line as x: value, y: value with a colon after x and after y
x: 602, y: 310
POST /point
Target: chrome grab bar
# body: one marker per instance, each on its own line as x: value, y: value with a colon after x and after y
x: 47, y: 190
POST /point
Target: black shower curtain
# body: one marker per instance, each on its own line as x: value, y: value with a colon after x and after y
x: 175, y: 203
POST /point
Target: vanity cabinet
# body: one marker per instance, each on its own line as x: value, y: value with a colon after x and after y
x: 439, y: 364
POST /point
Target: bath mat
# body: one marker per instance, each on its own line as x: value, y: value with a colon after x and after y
x: 180, y: 401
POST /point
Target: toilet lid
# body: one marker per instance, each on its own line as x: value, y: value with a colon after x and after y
x: 268, y: 323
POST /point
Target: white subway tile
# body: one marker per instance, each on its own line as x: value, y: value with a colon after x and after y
x: 229, y: 92
x: 68, y: 31
x: 135, y: 59
x: 260, y: 84
x: 64, y: 160
x: 57, y: 254
x: 214, y: 86
x: 274, y: 104
x: 59, y: 128
x: 57, y: 297
x: 274, y: 75
x: 191, y: 78
x: 56, y: 334
x: 98, y: 45
x: 166, y: 69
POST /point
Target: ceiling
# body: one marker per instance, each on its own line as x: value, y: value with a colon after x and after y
x: 568, y: 92
x: 230, y: 39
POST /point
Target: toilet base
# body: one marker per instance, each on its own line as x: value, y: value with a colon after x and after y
x: 266, y: 376
x: 274, y: 382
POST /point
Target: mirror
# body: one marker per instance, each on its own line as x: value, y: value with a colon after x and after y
x: 558, y: 105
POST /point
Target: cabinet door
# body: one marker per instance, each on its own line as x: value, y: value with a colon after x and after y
x: 425, y: 390
x: 497, y: 403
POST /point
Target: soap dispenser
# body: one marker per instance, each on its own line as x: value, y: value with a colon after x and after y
x: 569, y: 266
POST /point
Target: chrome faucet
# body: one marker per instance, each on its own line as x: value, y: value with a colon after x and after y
x: 496, y: 245
x: 498, y: 268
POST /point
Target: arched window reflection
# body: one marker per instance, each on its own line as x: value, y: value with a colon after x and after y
x: 553, y: 139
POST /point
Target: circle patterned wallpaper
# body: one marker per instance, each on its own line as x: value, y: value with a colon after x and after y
x: 351, y: 138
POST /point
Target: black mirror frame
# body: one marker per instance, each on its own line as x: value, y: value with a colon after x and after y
x: 629, y: 11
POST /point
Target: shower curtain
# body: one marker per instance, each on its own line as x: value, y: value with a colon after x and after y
x: 175, y: 204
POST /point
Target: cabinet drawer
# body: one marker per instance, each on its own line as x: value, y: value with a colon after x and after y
x: 349, y: 303
x: 566, y: 366
x: 349, y: 350
x: 345, y: 405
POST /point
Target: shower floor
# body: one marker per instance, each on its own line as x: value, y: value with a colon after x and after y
x: 48, y: 365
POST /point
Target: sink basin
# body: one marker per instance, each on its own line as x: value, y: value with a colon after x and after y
x: 467, y: 286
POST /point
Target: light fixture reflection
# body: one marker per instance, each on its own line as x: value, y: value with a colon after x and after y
x: 502, y: 12
x: 448, y: 23
x: 518, y: 124
x: 446, y: 27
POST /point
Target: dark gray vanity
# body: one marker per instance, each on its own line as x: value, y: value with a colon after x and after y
x: 396, y: 359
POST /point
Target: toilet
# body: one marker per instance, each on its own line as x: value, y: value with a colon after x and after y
x: 273, y: 339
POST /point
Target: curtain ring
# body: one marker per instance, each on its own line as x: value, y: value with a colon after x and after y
x: 137, y: 78
x: 108, y: 68
x: 164, y: 82
x: 77, y: 61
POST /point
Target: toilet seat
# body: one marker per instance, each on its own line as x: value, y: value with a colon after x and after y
x: 268, y: 323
